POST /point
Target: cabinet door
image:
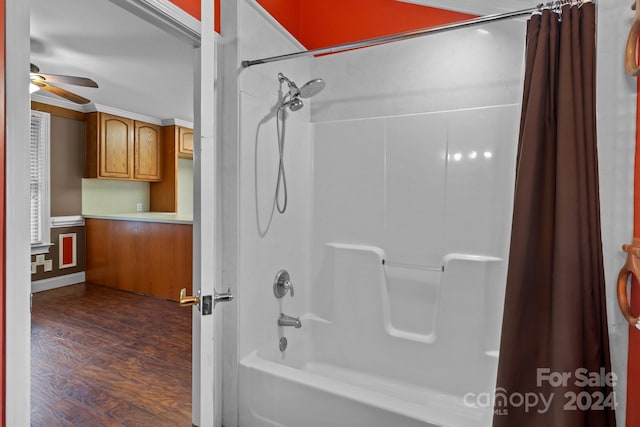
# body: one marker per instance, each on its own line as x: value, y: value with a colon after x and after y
x: 147, y: 158
x: 116, y: 147
x: 185, y: 138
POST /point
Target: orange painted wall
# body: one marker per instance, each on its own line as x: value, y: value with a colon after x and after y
x: 322, y: 23
x: 327, y: 22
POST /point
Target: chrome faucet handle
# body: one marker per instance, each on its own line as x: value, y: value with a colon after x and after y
x: 289, y: 286
x: 282, y: 284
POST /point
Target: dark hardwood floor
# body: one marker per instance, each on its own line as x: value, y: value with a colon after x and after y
x: 104, y: 357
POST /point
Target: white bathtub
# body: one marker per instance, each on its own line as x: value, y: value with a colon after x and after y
x: 361, y: 363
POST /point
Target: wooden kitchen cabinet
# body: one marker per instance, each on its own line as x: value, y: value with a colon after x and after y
x: 177, y: 141
x: 147, y: 152
x: 149, y: 258
x: 109, y: 146
x: 185, y: 142
x: 122, y: 148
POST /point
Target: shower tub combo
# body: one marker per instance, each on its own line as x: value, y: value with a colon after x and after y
x: 374, y: 364
x: 400, y: 298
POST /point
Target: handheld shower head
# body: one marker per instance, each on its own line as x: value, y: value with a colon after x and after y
x: 311, y: 88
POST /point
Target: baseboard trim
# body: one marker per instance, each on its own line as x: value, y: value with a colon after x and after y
x: 57, y: 282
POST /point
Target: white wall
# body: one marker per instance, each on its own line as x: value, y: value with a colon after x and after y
x: 616, y: 114
x: 106, y: 196
x: 185, y: 187
x: 269, y: 241
x: 414, y: 153
x: 459, y: 69
x: 265, y: 241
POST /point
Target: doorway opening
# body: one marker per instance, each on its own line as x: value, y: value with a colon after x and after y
x: 103, y: 354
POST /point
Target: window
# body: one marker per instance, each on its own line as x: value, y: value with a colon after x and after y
x: 39, y: 182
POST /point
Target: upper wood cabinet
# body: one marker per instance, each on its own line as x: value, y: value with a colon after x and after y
x: 147, y: 152
x: 109, y: 145
x: 163, y: 195
x: 122, y: 148
x: 185, y: 142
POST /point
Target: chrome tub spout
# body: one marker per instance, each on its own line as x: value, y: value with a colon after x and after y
x: 285, y: 320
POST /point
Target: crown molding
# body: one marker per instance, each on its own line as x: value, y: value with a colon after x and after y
x: 177, y: 122
x: 92, y: 108
x: 124, y: 113
x: 59, y: 102
x: 166, y: 15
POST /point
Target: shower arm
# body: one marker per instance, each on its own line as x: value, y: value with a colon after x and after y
x: 293, y: 88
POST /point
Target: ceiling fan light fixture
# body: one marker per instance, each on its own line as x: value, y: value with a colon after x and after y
x: 43, y: 81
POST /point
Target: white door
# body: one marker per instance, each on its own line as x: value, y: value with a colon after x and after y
x: 207, y: 383
x: 206, y: 363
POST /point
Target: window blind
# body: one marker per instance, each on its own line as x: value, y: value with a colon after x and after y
x: 39, y: 176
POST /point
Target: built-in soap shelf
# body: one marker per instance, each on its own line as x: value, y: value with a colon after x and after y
x: 416, y: 302
x: 411, y: 300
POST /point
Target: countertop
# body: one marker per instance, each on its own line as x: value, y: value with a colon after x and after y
x: 162, y: 217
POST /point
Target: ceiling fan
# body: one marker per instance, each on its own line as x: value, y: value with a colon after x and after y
x: 43, y: 81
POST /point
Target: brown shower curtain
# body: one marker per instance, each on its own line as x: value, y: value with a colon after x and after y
x: 554, y: 367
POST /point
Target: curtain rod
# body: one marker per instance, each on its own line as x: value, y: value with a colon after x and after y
x: 407, y: 34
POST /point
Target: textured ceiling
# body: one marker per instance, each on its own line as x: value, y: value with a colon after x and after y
x: 139, y: 67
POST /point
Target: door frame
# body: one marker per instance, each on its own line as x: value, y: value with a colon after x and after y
x: 17, y: 348
x: 17, y: 248
x: 207, y: 356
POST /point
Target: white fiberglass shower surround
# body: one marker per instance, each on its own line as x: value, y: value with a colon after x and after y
x: 400, y: 181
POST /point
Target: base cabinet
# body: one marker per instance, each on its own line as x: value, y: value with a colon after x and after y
x: 148, y: 258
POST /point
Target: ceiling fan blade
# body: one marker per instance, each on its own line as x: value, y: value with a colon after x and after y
x: 59, y: 78
x: 61, y: 92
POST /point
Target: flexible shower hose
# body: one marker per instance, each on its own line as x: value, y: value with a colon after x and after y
x: 282, y: 178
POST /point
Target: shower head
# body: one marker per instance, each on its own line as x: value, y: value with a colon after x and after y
x: 311, y: 88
